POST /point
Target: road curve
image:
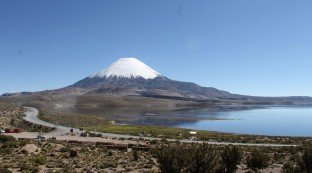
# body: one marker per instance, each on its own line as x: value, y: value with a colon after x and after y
x: 32, y: 116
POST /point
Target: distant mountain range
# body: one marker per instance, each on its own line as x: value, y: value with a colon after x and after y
x: 129, y: 76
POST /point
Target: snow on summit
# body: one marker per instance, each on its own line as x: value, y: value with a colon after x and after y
x: 128, y: 67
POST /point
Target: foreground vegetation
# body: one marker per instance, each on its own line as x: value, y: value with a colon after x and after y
x: 217, y: 159
x: 58, y: 156
x: 156, y: 156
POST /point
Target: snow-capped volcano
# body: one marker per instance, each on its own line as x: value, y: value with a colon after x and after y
x: 129, y: 76
x: 127, y: 68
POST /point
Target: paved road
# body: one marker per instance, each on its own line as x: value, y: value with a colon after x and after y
x: 32, y: 116
x: 61, y: 131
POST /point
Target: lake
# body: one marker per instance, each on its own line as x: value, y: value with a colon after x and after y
x: 273, y: 121
x: 276, y: 121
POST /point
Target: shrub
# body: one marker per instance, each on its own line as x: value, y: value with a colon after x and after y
x: 164, y: 140
x: 73, y: 153
x: 94, y: 134
x: 169, y: 159
x: 289, y: 167
x: 11, y: 144
x: 84, y: 150
x: 23, y: 143
x: 25, y: 167
x: 307, y: 159
x: 84, y: 134
x: 183, y: 158
x: 202, y: 159
x: 6, y: 151
x: 24, y: 152
x: 110, y: 153
x: 231, y: 157
x: 135, y: 155
x: 40, y: 160
x: 35, y: 170
x: 257, y: 160
x: 4, y: 138
x: 4, y: 170
x: 108, y: 165
x: 65, y: 149
x: 154, y: 141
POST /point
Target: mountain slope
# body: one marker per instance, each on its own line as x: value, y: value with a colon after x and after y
x: 159, y: 86
x: 129, y: 76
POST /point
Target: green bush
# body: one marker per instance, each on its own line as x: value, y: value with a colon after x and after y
x: 65, y: 149
x: 184, y: 158
x: 257, y: 160
x: 164, y: 140
x: 11, y: 144
x: 154, y: 141
x: 84, y: 134
x: 5, y: 138
x: 6, y: 151
x: 4, y: 170
x: 35, y: 170
x: 135, y: 155
x: 23, y: 143
x: 110, y: 153
x: 73, y: 153
x: 25, y: 167
x: 108, y: 165
x: 307, y: 159
x: 40, y: 160
x: 95, y: 134
x: 231, y: 157
x: 289, y: 167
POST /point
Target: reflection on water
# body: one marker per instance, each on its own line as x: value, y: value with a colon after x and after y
x: 279, y: 121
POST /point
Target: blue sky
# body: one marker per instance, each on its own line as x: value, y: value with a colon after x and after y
x: 259, y: 47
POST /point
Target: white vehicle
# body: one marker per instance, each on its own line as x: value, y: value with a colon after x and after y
x: 193, y: 133
x: 2, y: 131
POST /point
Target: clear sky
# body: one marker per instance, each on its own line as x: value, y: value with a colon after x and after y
x: 255, y: 47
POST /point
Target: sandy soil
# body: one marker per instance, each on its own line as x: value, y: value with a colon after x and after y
x: 31, y: 148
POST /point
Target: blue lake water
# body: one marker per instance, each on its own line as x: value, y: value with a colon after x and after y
x: 274, y: 121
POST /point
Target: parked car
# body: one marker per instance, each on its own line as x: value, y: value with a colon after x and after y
x: 17, y: 130
x: 2, y: 131
x: 9, y: 131
x: 12, y: 130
